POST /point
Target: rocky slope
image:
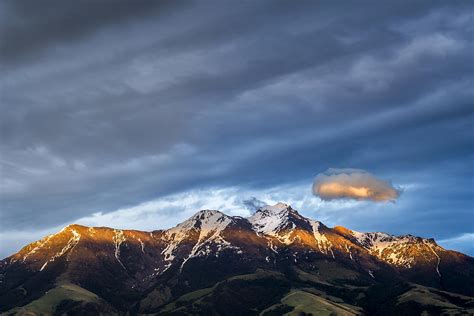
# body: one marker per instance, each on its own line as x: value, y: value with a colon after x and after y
x: 218, y: 264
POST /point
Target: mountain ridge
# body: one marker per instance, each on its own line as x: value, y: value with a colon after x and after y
x: 211, y: 246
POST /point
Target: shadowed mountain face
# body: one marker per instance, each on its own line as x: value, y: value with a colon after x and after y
x: 274, y: 262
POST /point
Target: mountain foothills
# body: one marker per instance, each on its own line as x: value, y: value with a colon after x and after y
x: 272, y: 263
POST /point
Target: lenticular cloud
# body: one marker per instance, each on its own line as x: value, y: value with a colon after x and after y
x: 353, y: 184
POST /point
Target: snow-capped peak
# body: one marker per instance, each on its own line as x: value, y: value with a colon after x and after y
x: 397, y: 250
x: 275, y: 208
x: 207, y: 215
x: 283, y: 222
x: 207, y: 223
x: 204, y: 220
x: 376, y: 239
x: 272, y: 219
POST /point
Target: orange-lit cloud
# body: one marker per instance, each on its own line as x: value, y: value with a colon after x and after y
x: 353, y: 184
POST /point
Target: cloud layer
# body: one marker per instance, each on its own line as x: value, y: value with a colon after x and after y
x: 353, y: 184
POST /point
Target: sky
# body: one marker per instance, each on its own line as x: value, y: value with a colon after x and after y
x: 136, y: 114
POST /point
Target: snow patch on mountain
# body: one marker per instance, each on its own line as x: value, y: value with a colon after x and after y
x: 208, y: 224
x: 271, y: 220
x: 386, y: 247
x: 73, y: 241
x: 118, y: 239
x: 279, y: 221
x: 430, y: 246
x: 396, y: 250
x: 37, y: 246
x: 142, y: 245
x: 321, y: 241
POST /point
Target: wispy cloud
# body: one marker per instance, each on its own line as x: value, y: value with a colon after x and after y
x: 463, y: 242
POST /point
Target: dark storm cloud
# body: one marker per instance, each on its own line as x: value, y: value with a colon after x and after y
x: 111, y: 103
x: 32, y: 26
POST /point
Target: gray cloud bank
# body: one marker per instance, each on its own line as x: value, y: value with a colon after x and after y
x: 107, y: 104
x: 353, y: 184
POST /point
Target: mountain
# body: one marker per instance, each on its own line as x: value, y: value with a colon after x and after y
x: 274, y: 262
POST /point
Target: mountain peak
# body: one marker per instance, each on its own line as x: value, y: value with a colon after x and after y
x: 278, y: 220
x: 73, y: 227
x: 206, y: 220
x: 207, y: 213
x: 280, y: 206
